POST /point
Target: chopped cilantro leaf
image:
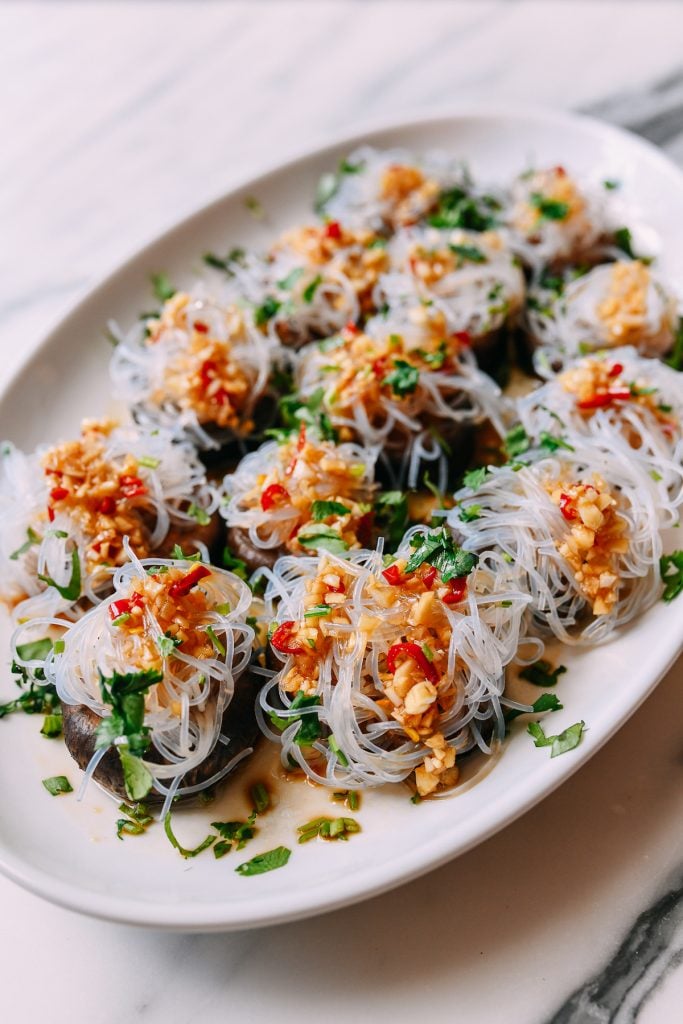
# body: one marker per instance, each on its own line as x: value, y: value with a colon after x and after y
x: 469, y: 253
x: 319, y: 536
x: 181, y: 849
x: 542, y: 673
x: 263, y: 862
x: 403, y: 379
x: 552, y: 442
x: 323, y: 509
x: 163, y: 289
x: 560, y: 744
x: 310, y: 289
x: 548, y: 209
x: 439, y: 549
x: 72, y: 590
x: 671, y: 571
x: 474, y: 478
x: 516, y: 441
x: 32, y: 538
x: 266, y: 311
x: 57, y: 784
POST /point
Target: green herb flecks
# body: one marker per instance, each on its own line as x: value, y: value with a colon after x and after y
x: 321, y: 510
x: 440, y: 550
x: 72, y: 590
x: 136, y: 823
x: 320, y: 537
x: 309, y: 291
x: 403, y: 379
x: 195, y: 851
x: 468, y: 253
x: 328, y: 828
x: 516, y: 442
x: 309, y: 729
x: 542, y: 673
x: 58, y: 784
x: 32, y: 539
x: 391, y: 514
x: 546, y: 702
x: 562, y: 742
x: 456, y: 209
x: 548, y: 209
x: 553, y: 442
x: 263, y: 862
x: 671, y: 571
x: 125, y: 694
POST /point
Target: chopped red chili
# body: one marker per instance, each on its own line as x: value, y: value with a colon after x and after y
x: 297, y: 452
x: 566, y: 507
x: 428, y: 576
x: 132, y: 486
x: 125, y: 605
x: 50, y: 514
x: 464, y: 337
x: 201, y: 327
x: 457, y: 590
x: 615, y: 370
x: 414, y: 651
x: 281, y: 639
x: 107, y: 506
x: 273, y: 495
x: 351, y: 328
x: 393, y: 575
x: 604, y: 398
x: 333, y: 230
x: 57, y: 493
x: 181, y: 588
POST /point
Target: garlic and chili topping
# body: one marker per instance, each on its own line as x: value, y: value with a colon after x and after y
x: 595, y: 540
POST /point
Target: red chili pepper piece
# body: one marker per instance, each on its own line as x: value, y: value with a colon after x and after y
x: 57, y: 493
x: 341, y: 589
x: 428, y: 577
x: 50, y: 514
x: 299, y: 448
x: 414, y: 651
x: 379, y: 367
x: 566, y: 507
x: 351, y: 328
x: 201, y: 327
x: 615, y: 370
x: 393, y: 575
x: 273, y: 495
x: 333, y: 230
x: 132, y: 486
x: 604, y: 398
x: 464, y: 337
x: 181, y: 588
x: 107, y: 506
x: 281, y: 639
x: 457, y: 590
x: 125, y: 604
x: 207, y: 371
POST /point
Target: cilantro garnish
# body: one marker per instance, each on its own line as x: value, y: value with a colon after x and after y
x: 552, y: 442
x: 295, y: 411
x: 474, y: 478
x: 403, y: 379
x: 225, y: 263
x: 675, y: 359
x: 72, y: 590
x: 266, y: 311
x: 560, y: 744
x: 516, y: 441
x: 309, y: 730
x: 179, y: 555
x: 136, y: 823
x: 548, y: 209
x: 469, y: 253
x: 671, y: 571
x: 624, y: 241
x: 322, y: 509
x: 263, y: 862
x: 125, y: 693
x: 458, y: 210
x: 319, y: 536
x: 57, y: 784
x: 542, y: 673
x: 167, y: 644
x: 234, y: 564
x: 181, y: 849
x: 288, y: 282
x: 329, y: 184
x: 32, y: 538
x: 469, y: 513
x: 440, y: 550
x: 235, y: 834
x: 163, y: 289
x: 309, y: 291
x: 546, y: 702
x: 199, y: 514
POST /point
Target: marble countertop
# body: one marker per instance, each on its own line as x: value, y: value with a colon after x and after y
x: 119, y: 118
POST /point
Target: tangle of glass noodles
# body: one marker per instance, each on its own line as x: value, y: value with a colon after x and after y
x: 484, y: 637
x: 409, y: 429
x: 478, y: 296
x: 358, y: 199
x: 655, y: 443
x: 516, y: 516
x: 565, y: 325
x: 306, y: 302
x: 138, y: 366
x: 272, y: 527
x: 201, y: 688
x: 174, y: 479
x: 586, y: 234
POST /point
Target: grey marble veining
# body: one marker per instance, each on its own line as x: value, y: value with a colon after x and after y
x: 121, y: 117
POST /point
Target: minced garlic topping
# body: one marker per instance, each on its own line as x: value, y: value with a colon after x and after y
x: 360, y: 255
x: 623, y: 310
x: 178, y: 615
x: 416, y: 616
x: 554, y: 186
x: 600, y: 383
x: 306, y: 471
x: 430, y: 264
x: 98, y: 495
x: 595, y: 539
x: 410, y: 194
x: 358, y: 368
x: 204, y: 376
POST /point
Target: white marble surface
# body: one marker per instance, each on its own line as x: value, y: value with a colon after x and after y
x: 117, y: 119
